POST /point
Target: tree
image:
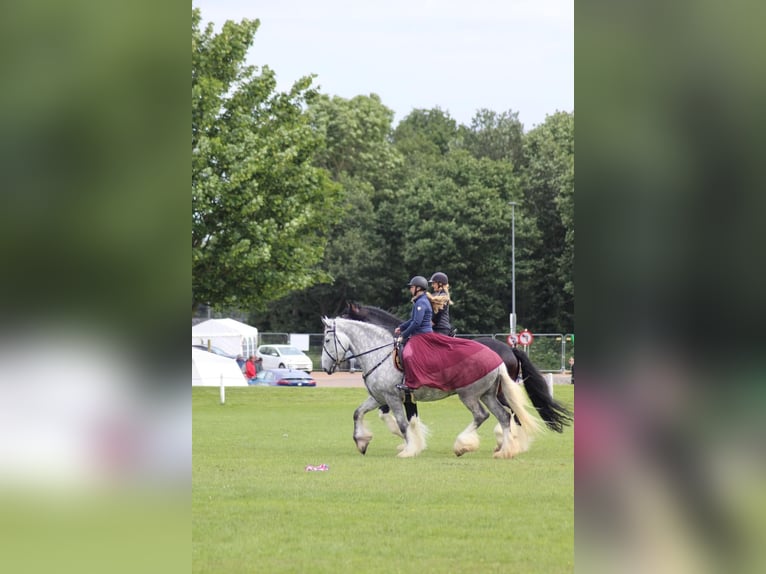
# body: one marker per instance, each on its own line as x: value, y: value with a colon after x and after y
x: 260, y: 208
x: 357, y: 136
x: 425, y: 133
x: 549, y: 192
x: 439, y: 207
x: 454, y: 217
x: 360, y: 156
x: 495, y: 136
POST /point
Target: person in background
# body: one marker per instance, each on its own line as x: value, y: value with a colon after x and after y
x: 440, y: 302
x: 250, y: 368
x: 571, y: 368
x: 240, y: 362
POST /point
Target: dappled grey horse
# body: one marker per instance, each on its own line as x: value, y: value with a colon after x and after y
x: 555, y: 415
x: 372, y: 346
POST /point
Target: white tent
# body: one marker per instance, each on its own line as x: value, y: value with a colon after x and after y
x: 208, y: 368
x: 232, y: 336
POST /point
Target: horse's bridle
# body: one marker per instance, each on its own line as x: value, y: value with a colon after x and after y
x: 338, y: 359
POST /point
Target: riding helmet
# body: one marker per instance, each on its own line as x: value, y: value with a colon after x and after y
x: 418, y: 281
x: 439, y: 277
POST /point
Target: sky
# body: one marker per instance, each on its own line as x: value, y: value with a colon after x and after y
x: 457, y: 55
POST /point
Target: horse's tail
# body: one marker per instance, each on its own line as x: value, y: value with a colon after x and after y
x: 518, y: 403
x: 555, y: 415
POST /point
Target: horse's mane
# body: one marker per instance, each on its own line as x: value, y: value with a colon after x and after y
x: 367, y: 325
x: 368, y: 314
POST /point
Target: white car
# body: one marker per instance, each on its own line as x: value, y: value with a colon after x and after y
x: 284, y: 356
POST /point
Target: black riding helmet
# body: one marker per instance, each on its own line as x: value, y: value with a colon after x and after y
x: 418, y: 281
x: 439, y: 277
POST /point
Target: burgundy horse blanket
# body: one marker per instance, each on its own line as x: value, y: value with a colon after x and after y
x: 446, y: 363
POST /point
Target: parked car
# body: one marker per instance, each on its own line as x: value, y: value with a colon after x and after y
x: 284, y: 357
x: 283, y: 378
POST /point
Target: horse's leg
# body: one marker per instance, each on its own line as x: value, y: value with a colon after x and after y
x: 384, y: 413
x: 413, y: 431
x: 362, y: 435
x: 410, y: 409
x: 468, y: 440
x: 507, y: 447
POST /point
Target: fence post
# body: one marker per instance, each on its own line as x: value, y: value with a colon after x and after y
x: 563, y: 352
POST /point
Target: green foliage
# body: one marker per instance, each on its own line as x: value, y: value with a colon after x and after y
x: 260, y: 209
x: 360, y: 156
x: 447, y: 209
x: 425, y: 133
x: 254, y: 504
x: 495, y: 136
x: 549, y: 193
x: 302, y: 201
x: 455, y: 218
x: 356, y: 138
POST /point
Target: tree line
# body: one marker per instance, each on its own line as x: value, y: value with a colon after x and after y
x: 302, y: 201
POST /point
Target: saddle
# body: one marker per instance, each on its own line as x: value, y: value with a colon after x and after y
x: 397, y: 356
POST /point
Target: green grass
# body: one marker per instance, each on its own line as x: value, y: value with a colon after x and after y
x: 256, y: 509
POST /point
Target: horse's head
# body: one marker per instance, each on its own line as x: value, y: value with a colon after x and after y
x: 335, y: 346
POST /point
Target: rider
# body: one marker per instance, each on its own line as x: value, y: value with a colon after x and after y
x: 420, y: 319
x: 440, y: 302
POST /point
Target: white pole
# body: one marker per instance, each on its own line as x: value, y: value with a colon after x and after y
x: 549, y: 379
x: 223, y: 391
x: 513, y: 261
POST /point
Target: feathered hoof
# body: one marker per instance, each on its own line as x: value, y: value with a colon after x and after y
x: 498, y: 431
x: 362, y: 444
x: 407, y: 453
x: 503, y: 455
x: 507, y: 452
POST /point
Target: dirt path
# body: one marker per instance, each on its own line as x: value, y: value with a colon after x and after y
x: 345, y: 379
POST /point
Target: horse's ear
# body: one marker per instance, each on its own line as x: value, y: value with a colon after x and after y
x: 324, y: 321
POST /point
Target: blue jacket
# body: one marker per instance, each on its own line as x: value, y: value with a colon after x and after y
x: 420, y: 319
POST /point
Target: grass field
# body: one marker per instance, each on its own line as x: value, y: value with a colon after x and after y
x: 256, y: 509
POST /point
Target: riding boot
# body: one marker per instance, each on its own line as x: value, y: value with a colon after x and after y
x: 410, y: 407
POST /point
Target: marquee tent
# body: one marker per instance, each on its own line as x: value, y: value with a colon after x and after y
x: 230, y: 335
x: 208, y: 368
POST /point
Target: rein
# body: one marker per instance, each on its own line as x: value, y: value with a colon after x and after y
x: 348, y: 357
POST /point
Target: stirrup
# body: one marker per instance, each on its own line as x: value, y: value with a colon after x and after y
x: 403, y: 387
